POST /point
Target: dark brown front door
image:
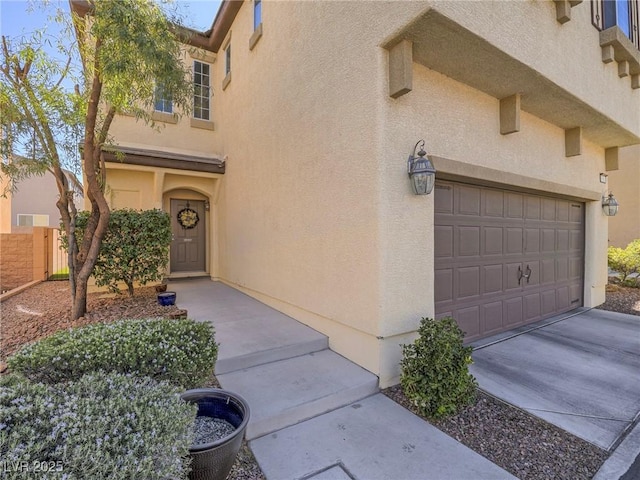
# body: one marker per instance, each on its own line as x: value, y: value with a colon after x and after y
x: 504, y: 259
x: 189, y: 236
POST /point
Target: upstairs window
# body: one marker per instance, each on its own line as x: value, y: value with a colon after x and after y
x: 201, y: 90
x: 257, y: 13
x: 620, y: 13
x: 227, y: 56
x: 162, y: 100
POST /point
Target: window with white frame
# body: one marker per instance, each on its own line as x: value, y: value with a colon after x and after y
x: 162, y: 101
x: 201, y: 90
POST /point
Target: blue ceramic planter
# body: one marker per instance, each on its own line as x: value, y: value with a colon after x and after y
x: 167, y: 298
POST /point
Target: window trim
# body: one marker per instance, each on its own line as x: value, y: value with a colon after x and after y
x: 208, y: 86
x: 227, y: 65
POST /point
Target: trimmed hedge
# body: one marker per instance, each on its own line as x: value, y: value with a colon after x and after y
x: 182, y: 352
x: 435, y: 369
x: 102, y: 426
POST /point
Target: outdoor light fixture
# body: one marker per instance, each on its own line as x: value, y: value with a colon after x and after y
x: 421, y: 171
x: 603, y: 178
x: 610, y: 205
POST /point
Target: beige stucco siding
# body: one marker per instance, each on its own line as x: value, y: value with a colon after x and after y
x: 568, y: 54
x: 180, y: 137
x: 625, y: 185
x: 314, y: 214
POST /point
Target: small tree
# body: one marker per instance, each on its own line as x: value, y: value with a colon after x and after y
x: 127, y: 47
x: 135, y: 247
x: 626, y: 261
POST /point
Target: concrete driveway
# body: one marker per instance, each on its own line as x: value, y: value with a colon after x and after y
x: 581, y: 373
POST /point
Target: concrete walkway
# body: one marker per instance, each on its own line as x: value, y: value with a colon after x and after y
x: 314, y: 414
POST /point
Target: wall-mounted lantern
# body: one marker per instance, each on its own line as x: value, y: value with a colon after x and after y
x: 610, y: 205
x: 421, y: 171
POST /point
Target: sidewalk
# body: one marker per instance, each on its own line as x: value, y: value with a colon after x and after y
x: 316, y: 415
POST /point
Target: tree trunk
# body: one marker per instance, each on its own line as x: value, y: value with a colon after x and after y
x: 79, y: 300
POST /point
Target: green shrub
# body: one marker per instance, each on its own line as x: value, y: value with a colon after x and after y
x: 134, y: 249
x: 183, y: 352
x: 103, y: 426
x: 626, y: 261
x: 435, y: 369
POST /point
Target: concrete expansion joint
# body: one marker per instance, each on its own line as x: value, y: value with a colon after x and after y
x: 573, y: 414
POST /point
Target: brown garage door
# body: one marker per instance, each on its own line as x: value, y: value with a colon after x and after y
x: 503, y: 258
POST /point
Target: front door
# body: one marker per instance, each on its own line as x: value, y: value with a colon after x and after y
x: 189, y: 236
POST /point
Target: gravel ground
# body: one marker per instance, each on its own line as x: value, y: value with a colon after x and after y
x: 522, y: 444
x: 209, y: 430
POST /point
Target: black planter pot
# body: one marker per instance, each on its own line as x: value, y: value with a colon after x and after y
x: 213, y: 461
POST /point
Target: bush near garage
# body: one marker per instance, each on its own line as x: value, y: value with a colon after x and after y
x: 101, y: 426
x: 626, y: 261
x: 435, y: 369
x: 182, y: 352
x: 135, y: 247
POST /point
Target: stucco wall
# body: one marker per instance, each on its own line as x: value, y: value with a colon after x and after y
x: 180, y: 137
x: 317, y: 216
x: 625, y: 185
x: 314, y: 214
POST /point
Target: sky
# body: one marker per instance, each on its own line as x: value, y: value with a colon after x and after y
x: 15, y: 18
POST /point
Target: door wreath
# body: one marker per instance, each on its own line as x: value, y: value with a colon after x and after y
x: 188, y: 218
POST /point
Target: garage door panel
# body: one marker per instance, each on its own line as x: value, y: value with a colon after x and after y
x: 513, y: 241
x: 492, y: 279
x: 443, y: 241
x: 468, y: 241
x: 532, y: 240
x: 562, y: 297
x: 576, y: 241
x: 548, y: 300
x: 562, y: 211
x: 562, y: 269
x: 532, y: 208
x: 549, y: 209
x: 575, y: 294
x: 492, y: 314
x: 515, y: 205
x: 468, y: 282
x: 562, y: 240
x: 513, y: 312
x: 492, y: 241
x: 468, y: 201
x: 492, y: 203
x: 485, y: 237
x: 547, y: 271
x: 468, y: 319
x: 443, y: 285
x: 511, y: 276
x: 575, y: 268
x: 531, y: 307
x: 443, y: 202
x: 548, y: 236
x: 576, y: 214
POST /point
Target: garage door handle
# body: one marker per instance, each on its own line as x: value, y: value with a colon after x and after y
x: 522, y: 274
x: 527, y: 274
